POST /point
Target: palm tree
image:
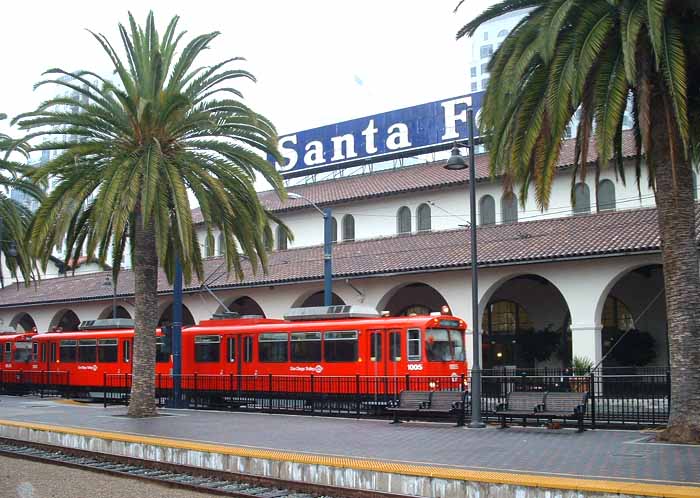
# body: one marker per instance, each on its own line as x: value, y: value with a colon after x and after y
x: 594, y: 55
x: 15, y: 218
x: 139, y: 144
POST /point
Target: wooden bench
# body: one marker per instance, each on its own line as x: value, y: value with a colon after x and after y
x: 520, y: 404
x: 410, y: 402
x: 446, y: 403
x: 565, y: 406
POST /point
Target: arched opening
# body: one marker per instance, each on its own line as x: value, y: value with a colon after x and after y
x: 509, y: 208
x: 487, y: 210
x: 525, y: 324
x: 316, y: 299
x: 245, y: 305
x: 221, y: 244
x: 423, y: 216
x: 348, y: 228
x: 334, y: 230
x: 582, y: 199
x: 108, y: 312
x: 415, y: 298
x: 65, y: 321
x: 606, y: 196
x: 166, y: 317
x: 633, y: 316
x: 281, y: 239
x: 209, y: 244
x: 403, y: 220
x: 23, y: 322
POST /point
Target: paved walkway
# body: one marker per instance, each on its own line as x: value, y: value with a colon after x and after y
x: 595, y: 454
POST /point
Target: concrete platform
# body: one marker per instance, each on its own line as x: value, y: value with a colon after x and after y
x: 421, y: 459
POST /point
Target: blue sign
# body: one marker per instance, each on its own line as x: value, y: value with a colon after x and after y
x: 412, y: 130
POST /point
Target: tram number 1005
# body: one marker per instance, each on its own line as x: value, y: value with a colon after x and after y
x: 415, y: 366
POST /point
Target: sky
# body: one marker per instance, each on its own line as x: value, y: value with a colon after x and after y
x: 316, y: 62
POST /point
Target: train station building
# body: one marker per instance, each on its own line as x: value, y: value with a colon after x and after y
x: 553, y: 284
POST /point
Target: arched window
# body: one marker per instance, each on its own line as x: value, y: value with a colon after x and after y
x: 582, y: 199
x: 403, y: 220
x: 505, y: 317
x: 348, y: 228
x: 509, y: 208
x: 281, y: 239
x: 222, y: 244
x: 267, y: 240
x: 208, y: 245
x: 334, y: 230
x: 487, y: 210
x: 616, y: 315
x: 424, y: 222
x: 502, y: 33
x: 606, y: 196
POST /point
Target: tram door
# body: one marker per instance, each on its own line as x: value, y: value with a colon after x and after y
x: 384, y: 358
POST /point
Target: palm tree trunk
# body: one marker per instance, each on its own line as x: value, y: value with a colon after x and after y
x: 142, y: 403
x: 676, y: 217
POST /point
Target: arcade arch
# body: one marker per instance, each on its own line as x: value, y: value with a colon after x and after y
x: 23, y: 322
x: 66, y: 320
x: 121, y: 312
x: 166, y: 317
x: 416, y: 297
x: 525, y: 323
x: 245, y: 305
x: 316, y: 299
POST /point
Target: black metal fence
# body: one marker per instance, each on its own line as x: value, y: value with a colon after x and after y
x: 618, y: 397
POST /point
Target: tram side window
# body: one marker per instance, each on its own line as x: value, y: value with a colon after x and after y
x: 395, y: 346
x: 340, y: 346
x: 414, y: 352
x: 107, y: 350
x: 68, y: 351
x: 272, y: 347
x: 231, y: 346
x: 127, y: 351
x: 53, y: 351
x: 8, y: 352
x: 375, y: 346
x: 87, y: 350
x: 306, y: 346
x: 35, y: 351
x: 23, y: 351
x: 206, y: 348
x: 43, y: 353
x: 248, y: 349
x: 162, y: 352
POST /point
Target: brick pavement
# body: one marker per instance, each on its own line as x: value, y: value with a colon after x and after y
x: 593, y: 454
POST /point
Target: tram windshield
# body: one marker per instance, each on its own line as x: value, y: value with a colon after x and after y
x: 23, y: 351
x: 444, y: 345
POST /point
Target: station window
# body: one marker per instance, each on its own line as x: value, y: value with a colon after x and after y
x: 340, y: 346
x: 162, y: 350
x: 231, y: 347
x: 107, y: 350
x: 8, y: 352
x: 414, y: 352
x: 273, y: 347
x: 127, y: 351
x: 375, y: 349
x: 306, y: 346
x: 486, y: 51
x: 87, y: 350
x: 206, y: 348
x: 395, y: 346
x: 68, y: 351
x: 248, y: 349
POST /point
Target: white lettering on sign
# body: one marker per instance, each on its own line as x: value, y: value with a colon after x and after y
x: 451, y: 117
x: 415, y: 366
x: 88, y: 367
x: 338, y: 142
x: 289, y: 154
x: 317, y: 369
x: 314, y: 153
x: 369, y: 134
x: 398, y: 137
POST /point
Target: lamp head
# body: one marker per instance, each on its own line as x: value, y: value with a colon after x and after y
x: 456, y: 160
x: 292, y: 195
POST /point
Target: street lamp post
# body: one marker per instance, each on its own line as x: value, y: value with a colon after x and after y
x: 176, y: 338
x: 457, y: 162
x: 327, y: 248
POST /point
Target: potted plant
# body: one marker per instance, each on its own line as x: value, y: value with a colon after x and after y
x: 580, y: 369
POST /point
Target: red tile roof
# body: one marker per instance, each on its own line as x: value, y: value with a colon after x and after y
x: 402, y: 180
x: 611, y: 233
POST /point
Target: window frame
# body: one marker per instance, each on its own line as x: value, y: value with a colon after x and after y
x: 292, y: 341
x: 201, y: 355
x: 231, y: 353
x: 266, y: 338
x: 327, y: 339
x: 107, y: 344
x: 348, y: 224
x: 424, y: 218
x: 418, y: 340
x: 403, y: 221
x: 64, y: 344
x: 492, y: 206
x: 83, y: 345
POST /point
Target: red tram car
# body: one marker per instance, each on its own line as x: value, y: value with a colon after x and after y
x: 336, y: 341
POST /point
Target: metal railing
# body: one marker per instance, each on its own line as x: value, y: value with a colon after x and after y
x: 618, y: 397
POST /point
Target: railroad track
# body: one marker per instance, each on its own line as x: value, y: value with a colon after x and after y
x: 190, y: 478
